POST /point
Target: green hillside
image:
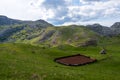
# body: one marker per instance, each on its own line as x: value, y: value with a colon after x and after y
x: 54, y: 36
x: 27, y: 62
x: 28, y: 50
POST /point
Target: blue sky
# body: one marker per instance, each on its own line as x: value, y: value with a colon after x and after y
x: 63, y: 12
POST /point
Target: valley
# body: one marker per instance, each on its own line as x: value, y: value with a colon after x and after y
x: 28, y: 50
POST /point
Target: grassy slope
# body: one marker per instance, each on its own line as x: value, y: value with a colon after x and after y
x: 72, y: 35
x: 27, y: 62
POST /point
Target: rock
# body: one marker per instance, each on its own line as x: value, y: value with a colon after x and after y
x: 95, y: 27
x: 47, y: 35
x: 90, y: 42
x: 54, y: 42
x: 103, y: 51
x: 69, y: 40
x: 116, y: 25
x: 35, y: 77
x: 116, y: 28
x: 101, y: 30
x: 77, y: 38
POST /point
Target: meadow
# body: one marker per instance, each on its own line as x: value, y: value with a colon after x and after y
x: 28, y: 62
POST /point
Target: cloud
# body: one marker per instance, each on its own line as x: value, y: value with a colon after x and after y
x: 53, y: 3
x: 60, y: 12
x: 18, y: 9
x: 91, y: 0
x: 66, y: 11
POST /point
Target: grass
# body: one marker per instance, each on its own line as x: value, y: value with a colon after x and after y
x: 27, y: 62
x: 54, y: 36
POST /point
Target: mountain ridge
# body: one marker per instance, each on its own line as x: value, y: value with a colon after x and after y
x: 4, y: 20
x: 104, y: 30
x: 42, y: 32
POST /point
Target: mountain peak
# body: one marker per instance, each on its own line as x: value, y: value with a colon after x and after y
x: 2, y: 16
x: 116, y: 25
x: 4, y: 20
x: 97, y: 24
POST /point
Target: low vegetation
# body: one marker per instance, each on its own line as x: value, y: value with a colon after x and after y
x: 28, y: 50
x: 28, y: 62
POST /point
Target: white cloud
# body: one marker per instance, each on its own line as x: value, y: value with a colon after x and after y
x: 16, y: 9
x: 62, y: 11
x: 90, y: 12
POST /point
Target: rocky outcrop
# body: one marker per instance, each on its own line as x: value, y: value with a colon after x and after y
x: 116, y: 25
x: 96, y: 28
x: 101, y: 30
x: 116, y: 28
x: 103, y: 51
x: 91, y: 42
x: 47, y: 35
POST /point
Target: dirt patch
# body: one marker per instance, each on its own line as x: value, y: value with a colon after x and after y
x: 75, y: 60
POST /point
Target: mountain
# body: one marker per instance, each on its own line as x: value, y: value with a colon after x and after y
x: 106, y: 31
x: 54, y: 36
x: 5, y: 33
x: 116, y: 25
x: 7, y: 21
x: 41, y: 32
x: 8, y: 27
x: 101, y: 30
x: 116, y: 28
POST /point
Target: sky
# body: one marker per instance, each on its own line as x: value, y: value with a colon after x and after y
x: 63, y: 12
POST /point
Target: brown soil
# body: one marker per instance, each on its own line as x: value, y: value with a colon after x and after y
x: 75, y: 60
